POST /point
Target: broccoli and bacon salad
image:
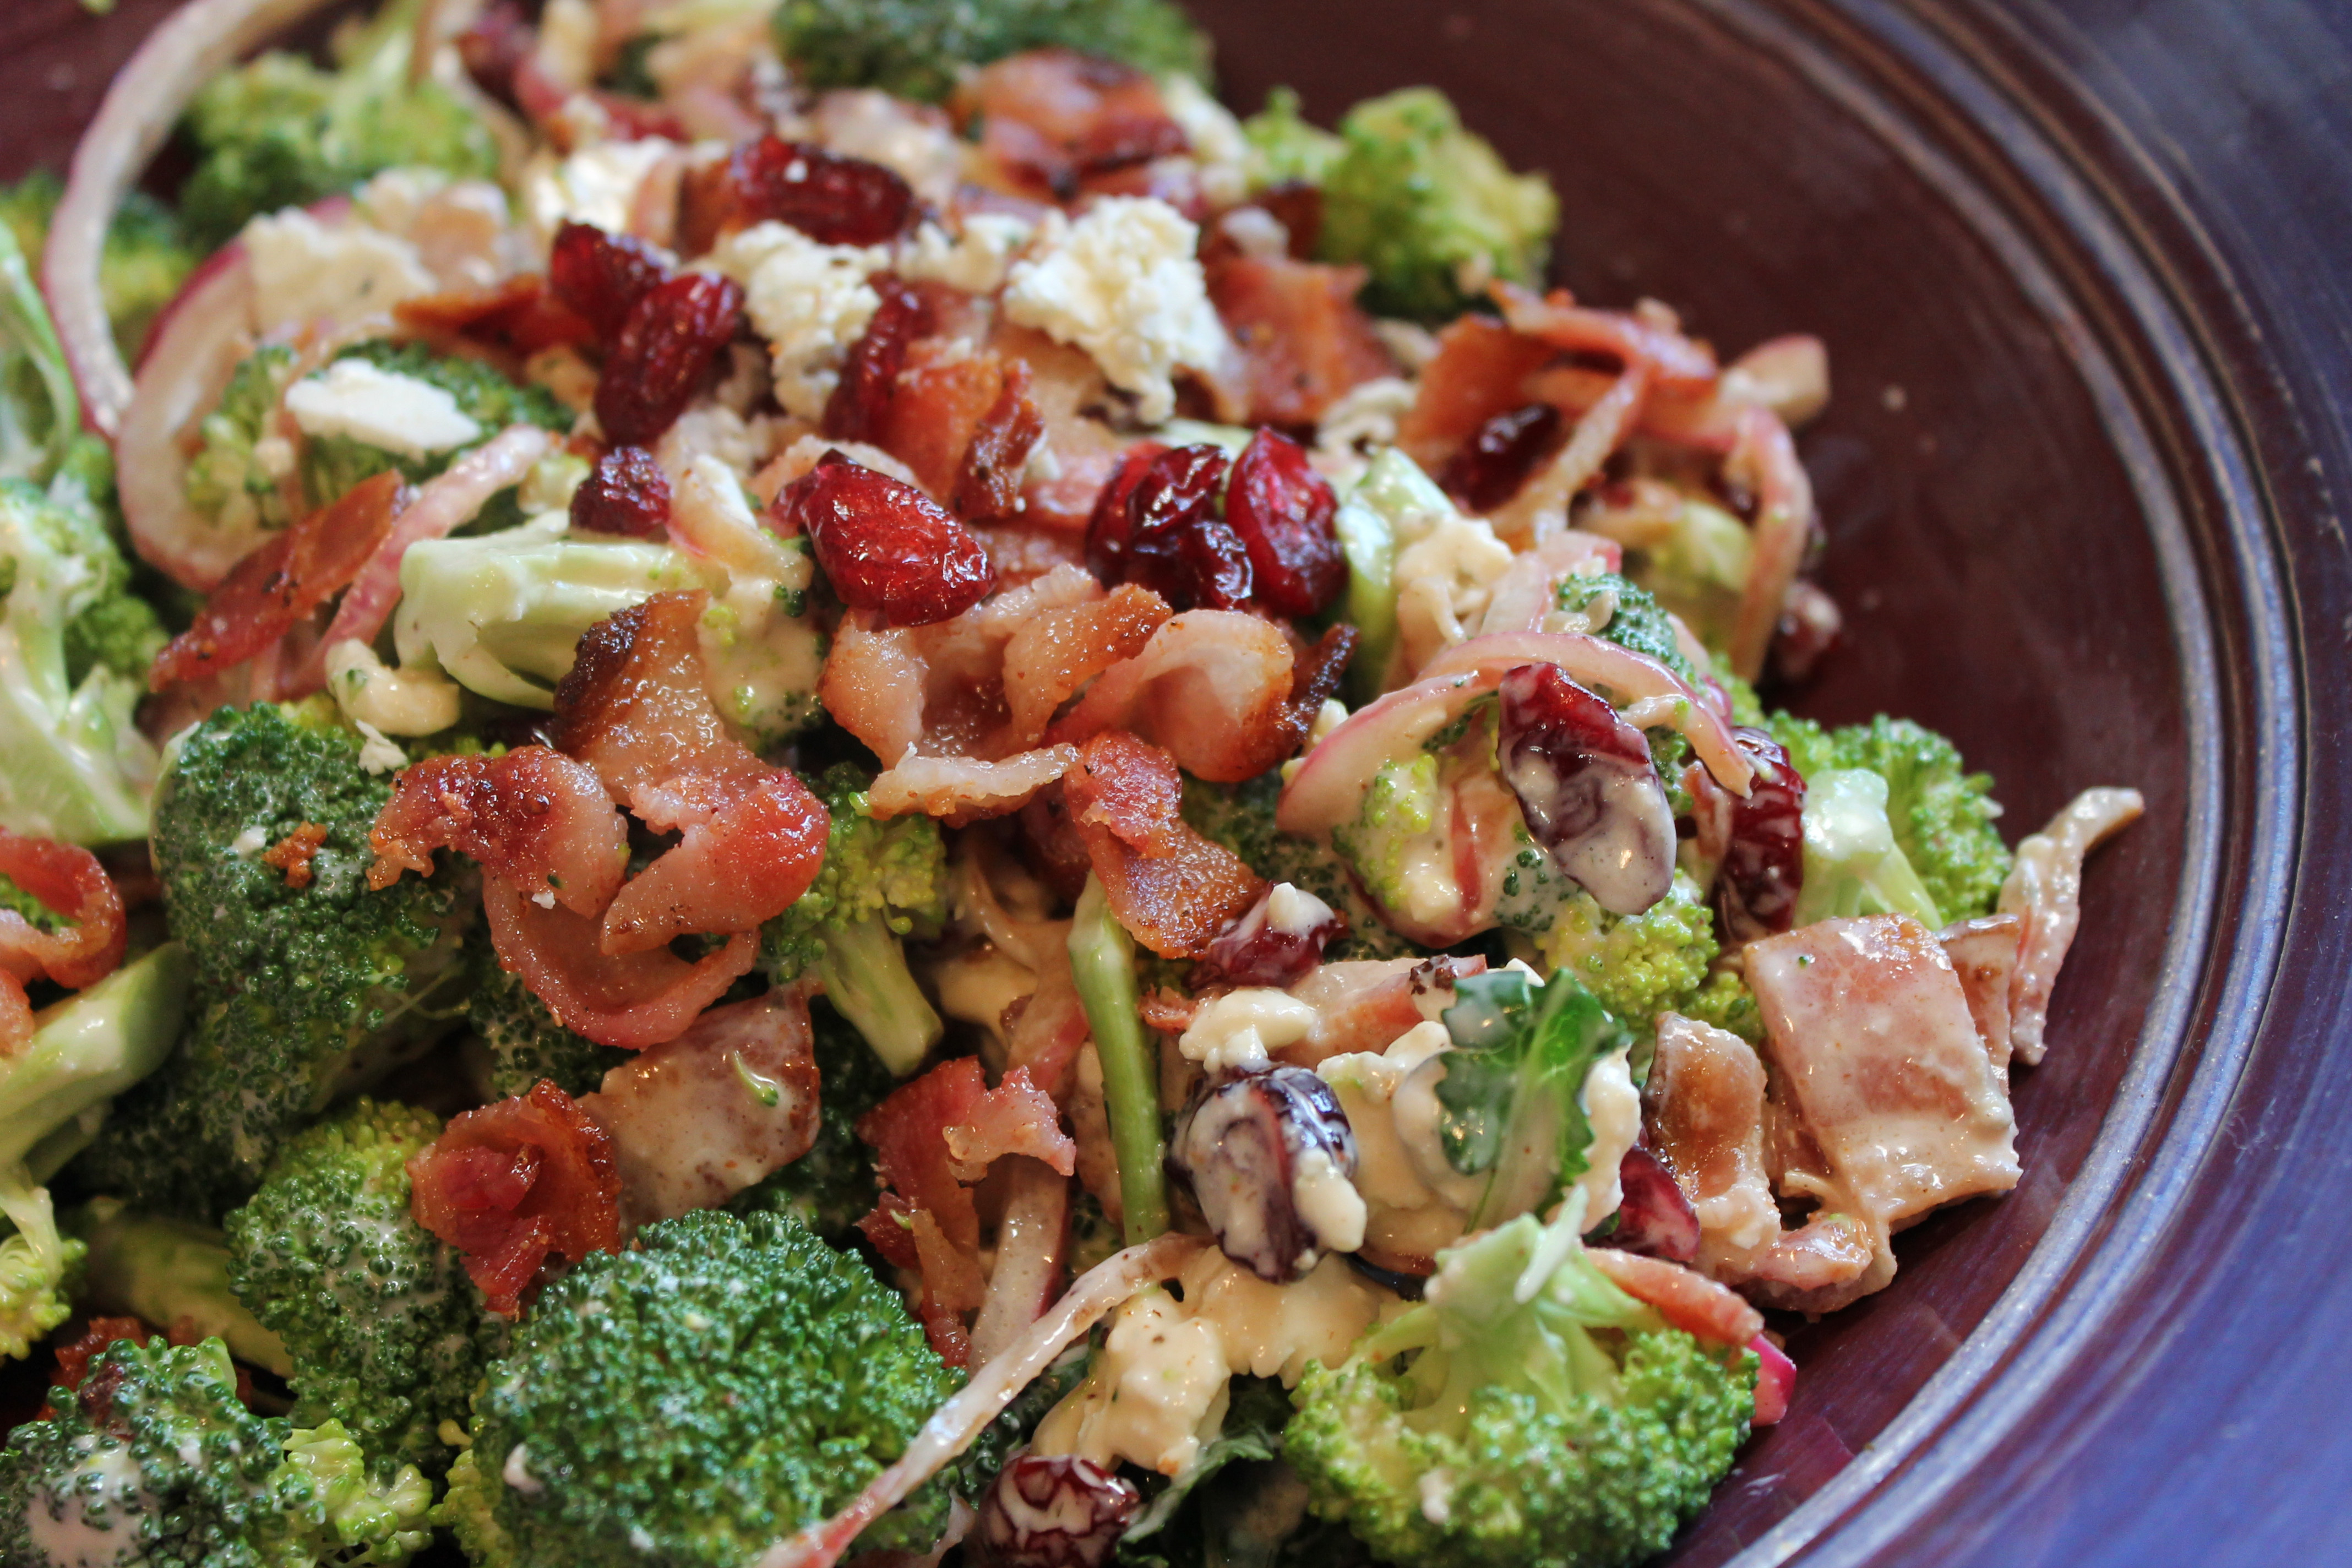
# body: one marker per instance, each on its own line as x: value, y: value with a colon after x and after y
x: 827, y: 778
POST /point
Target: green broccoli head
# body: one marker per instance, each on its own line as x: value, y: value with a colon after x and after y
x: 302, y: 993
x: 1942, y: 815
x: 39, y: 1266
x: 1563, y: 1424
x: 1632, y: 617
x: 331, y: 465
x: 157, y: 1459
x: 231, y: 482
x: 1241, y: 818
x: 833, y: 1186
x: 521, y: 1041
x: 1427, y: 206
x: 882, y: 881
x: 146, y: 259
x: 1638, y: 966
x: 279, y: 131
x: 917, y: 48
x: 1853, y: 865
x: 386, y: 1334
x: 1392, y: 843
x: 691, y: 1401
x: 1725, y: 1002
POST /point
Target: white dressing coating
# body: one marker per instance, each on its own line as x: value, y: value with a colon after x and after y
x: 1243, y: 1029
x: 390, y: 701
x: 400, y: 414
x: 1327, y: 1201
x: 1404, y: 1214
x: 597, y: 185
x: 1614, y: 1108
x: 1293, y: 912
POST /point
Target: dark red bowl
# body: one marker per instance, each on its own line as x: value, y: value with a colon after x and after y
x: 2078, y: 519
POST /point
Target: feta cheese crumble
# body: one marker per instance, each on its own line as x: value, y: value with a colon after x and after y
x: 400, y: 414
x: 810, y: 302
x: 306, y: 273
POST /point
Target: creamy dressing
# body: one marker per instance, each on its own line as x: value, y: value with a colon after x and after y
x: 1243, y: 1029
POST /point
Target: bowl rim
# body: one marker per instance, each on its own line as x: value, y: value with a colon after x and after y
x: 1939, y: 99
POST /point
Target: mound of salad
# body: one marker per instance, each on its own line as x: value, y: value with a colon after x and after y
x: 786, y: 780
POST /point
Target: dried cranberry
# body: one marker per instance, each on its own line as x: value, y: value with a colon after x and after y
x: 1177, y: 545
x: 1499, y: 458
x: 1106, y: 528
x: 1244, y: 1144
x: 1277, y: 943
x: 500, y: 40
x: 601, y: 275
x: 1052, y: 1512
x: 1587, y: 787
x: 1282, y: 509
x: 627, y: 492
x: 663, y: 355
x: 989, y: 483
x: 832, y: 199
x: 1761, y: 840
x: 1653, y: 1218
x: 886, y: 546
x: 869, y: 378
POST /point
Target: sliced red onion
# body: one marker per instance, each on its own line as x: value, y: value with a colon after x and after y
x: 1654, y: 1217
x: 1776, y: 1382
x: 144, y: 101
x: 195, y: 344
x: 1031, y: 1245
x: 1587, y: 787
x: 1789, y: 375
x: 1764, y: 460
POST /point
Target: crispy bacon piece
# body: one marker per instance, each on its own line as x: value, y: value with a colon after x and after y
x: 938, y: 402
x: 514, y: 1183
x: 1053, y: 119
x: 282, y: 582
x: 1053, y: 657
x: 1478, y: 374
x: 924, y: 1202
x: 290, y: 856
x: 533, y: 817
x: 519, y: 315
x: 859, y: 409
x: 697, y: 1119
x: 1680, y: 364
x: 632, y: 1001
x: 743, y: 865
x: 1174, y: 890
x: 988, y: 482
x: 1017, y: 1116
x: 1689, y: 1301
x: 885, y: 546
x: 1213, y: 687
x: 1304, y: 343
x: 2044, y: 890
x: 1363, y: 1004
x: 75, y: 1355
x: 1984, y: 954
x: 960, y: 790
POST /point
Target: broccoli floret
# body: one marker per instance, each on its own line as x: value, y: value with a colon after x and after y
x: 1853, y: 864
x: 1942, y: 815
x: 279, y: 132
x: 1633, y: 619
x: 1391, y: 837
x: 1698, y: 568
x: 1637, y: 966
x: 521, y: 1041
x: 1725, y: 1002
x: 1557, y: 1422
x: 302, y: 993
x: 1427, y: 206
x: 882, y: 881
x: 917, y: 48
x: 229, y: 484
x: 1290, y: 150
x: 385, y: 1332
x: 172, y: 1273
x: 1241, y: 818
x: 331, y: 465
x: 146, y: 259
x: 164, y: 1465
x: 728, y: 1381
x: 39, y: 1266
x: 833, y: 1186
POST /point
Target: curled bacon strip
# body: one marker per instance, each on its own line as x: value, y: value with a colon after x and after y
x: 281, y: 583
x: 743, y: 865
x: 511, y: 1185
x: 1681, y: 364
x: 1212, y: 686
x: 1690, y: 1301
x: 1174, y: 890
x: 533, y: 817
x: 630, y: 1001
x: 2045, y: 889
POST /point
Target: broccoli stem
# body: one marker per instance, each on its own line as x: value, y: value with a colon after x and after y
x: 865, y: 976
x: 1369, y: 541
x: 1102, y: 961
x: 165, y: 1271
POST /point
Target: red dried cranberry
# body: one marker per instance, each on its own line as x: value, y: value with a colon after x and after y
x: 1177, y: 545
x: 1762, y: 839
x: 1282, y: 509
x: 1239, y: 1145
x: 1653, y: 1218
x: 1587, y: 787
x: 989, y: 483
x: 1256, y: 950
x: 1052, y: 1512
x: 663, y: 355
x: 869, y: 378
x: 832, y: 199
x: 601, y: 276
x: 1496, y: 462
x: 496, y: 47
x: 886, y: 546
x: 1106, y: 528
x: 627, y: 492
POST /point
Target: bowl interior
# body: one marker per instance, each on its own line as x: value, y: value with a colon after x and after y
x: 1986, y: 541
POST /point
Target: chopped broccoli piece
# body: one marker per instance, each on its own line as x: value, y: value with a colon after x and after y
x: 919, y: 48
x: 833, y: 1186
x: 1425, y: 204
x: 882, y: 881
x: 1102, y: 964
x: 692, y: 1401
x: 1942, y: 815
x: 1241, y: 818
x: 231, y: 482
x: 1725, y: 1002
x: 146, y: 259
x: 1392, y: 499
x: 1291, y: 151
x: 1853, y: 864
x: 1638, y: 966
x: 386, y: 1334
x: 522, y: 1042
x: 1633, y: 619
x: 334, y: 464
x: 1543, y: 1415
x: 279, y: 131
x: 1698, y: 569
x: 1391, y: 843
x: 302, y: 993
x: 165, y: 1467
x: 171, y: 1271
x: 38, y: 1265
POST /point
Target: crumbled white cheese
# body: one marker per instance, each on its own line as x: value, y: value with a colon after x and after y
x: 1256, y: 232
x: 388, y: 701
x: 400, y: 414
x: 598, y: 186
x: 1324, y: 1198
x: 305, y: 271
x: 1446, y: 567
x: 1614, y: 1108
x: 809, y: 301
x: 973, y: 261
x: 1243, y: 1028
x: 1124, y: 284
x: 1227, y: 164
x: 379, y: 753
x: 516, y: 1472
x: 1294, y: 912
x: 251, y: 841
